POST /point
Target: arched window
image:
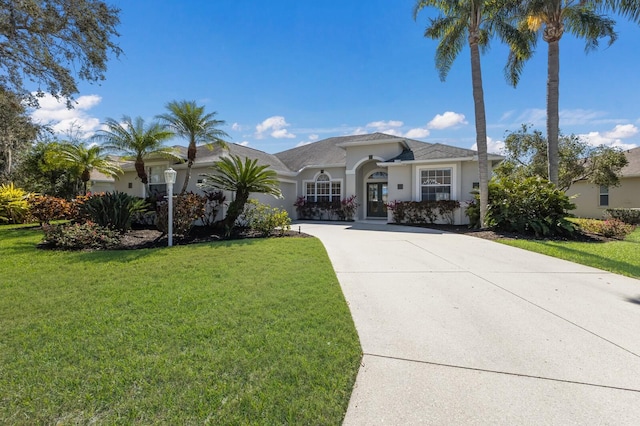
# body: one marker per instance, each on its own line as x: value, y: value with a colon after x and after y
x: 379, y: 175
x: 323, y: 189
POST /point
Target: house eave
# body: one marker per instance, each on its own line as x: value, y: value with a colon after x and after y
x: 373, y: 142
x: 319, y: 166
x: 433, y: 161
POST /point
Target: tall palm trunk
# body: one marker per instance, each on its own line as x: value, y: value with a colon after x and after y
x: 191, y: 156
x: 553, y: 116
x: 481, y: 127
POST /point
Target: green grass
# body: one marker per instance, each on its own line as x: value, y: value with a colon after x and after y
x: 620, y: 257
x: 243, y: 332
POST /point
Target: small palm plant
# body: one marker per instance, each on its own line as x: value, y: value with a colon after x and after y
x: 87, y: 159
x: 242, y: 178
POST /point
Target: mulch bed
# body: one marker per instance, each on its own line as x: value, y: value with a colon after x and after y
x: 149, y: 238
x: 501, y: 235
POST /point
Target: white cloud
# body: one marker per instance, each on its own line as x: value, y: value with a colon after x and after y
x: 493, y: 146
x: 446, y: 120
x: 613, y: 137
x: 312, y: 138
x: 576, y: 117
x: 534, y: 116
x: 417, y: 133
x: 62, y: 120
x: 379, y: 125
x: 275, y: 126
x: 622, y: 131
x: 244, y: 143
x: 236, y: 127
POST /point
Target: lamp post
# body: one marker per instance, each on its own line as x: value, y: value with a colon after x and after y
x: 170, y: 179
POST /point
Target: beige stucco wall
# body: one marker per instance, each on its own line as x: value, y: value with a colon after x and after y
x: 587, y: 197
x: 359, y: 154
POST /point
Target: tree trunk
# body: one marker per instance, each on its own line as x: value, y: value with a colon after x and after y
x: 481, y: 131
x: 142, y: 174
x: 191, y: 156
x: 86, y: 175
x: 235, y: 209
x: 553, y: 116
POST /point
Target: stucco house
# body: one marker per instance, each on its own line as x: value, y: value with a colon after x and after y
x: 377, y: 168
x: 592, y: 200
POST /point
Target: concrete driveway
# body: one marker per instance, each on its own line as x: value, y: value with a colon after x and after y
x: 460, y: 330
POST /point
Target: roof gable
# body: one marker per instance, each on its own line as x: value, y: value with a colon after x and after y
x: 633, y: 167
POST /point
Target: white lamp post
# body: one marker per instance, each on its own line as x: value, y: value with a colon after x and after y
x: 170, y: 179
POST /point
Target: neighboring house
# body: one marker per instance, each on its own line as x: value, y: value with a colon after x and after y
x: 377, y: 168
x: 592, y: 200
x: 99, y: 182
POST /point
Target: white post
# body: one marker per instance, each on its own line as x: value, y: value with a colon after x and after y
x: 170, y: 179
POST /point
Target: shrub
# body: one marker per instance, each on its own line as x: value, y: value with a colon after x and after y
x: 329, y: 210
x: 77, y: 236
x: 348, y: 207
x: 13, y: 204
x: 45, y: 208
x: 113, y: 210
x: 187, y: 208
x: 610, y: 228
x: 265, y: 219
x: 528, y: 206
x: 420, y: 212
x: 215, y: 201
x: 630, y: 216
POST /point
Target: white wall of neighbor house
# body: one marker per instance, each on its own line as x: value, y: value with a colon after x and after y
x: 101, y: 186
x: 587, y: 197
x: 470, y: 176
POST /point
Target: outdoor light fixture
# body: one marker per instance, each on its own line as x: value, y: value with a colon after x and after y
x: 170, y: 179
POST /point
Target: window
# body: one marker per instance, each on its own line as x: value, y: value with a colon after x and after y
x: 157, y: 187
x: 435, y: 184
x: 323, y: 189
x: 604, y: 195
x: 379, y: 175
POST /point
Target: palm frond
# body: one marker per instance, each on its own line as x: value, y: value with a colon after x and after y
x: 585, y: 23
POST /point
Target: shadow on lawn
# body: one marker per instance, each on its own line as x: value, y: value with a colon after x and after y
x: 606, y: 263
x: 130, y: 255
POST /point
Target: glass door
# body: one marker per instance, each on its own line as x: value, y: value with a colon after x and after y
x: 377, y: 199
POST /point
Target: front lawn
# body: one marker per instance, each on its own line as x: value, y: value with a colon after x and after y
x: 237, y: 332
x: 620, y: 257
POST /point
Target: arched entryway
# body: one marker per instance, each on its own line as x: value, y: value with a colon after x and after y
x: 376, y: 193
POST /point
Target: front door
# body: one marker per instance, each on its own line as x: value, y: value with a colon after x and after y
x: 377, y: 199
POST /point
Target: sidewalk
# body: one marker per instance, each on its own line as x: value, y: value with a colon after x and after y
x: 460, y: 330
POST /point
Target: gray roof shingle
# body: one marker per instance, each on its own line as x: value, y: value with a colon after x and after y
x: 633, y: 168
x: 328, y: 152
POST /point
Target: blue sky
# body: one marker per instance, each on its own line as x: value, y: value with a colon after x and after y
x: 286, y: 72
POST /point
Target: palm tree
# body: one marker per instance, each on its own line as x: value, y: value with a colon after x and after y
x: 132, y: 139
x: 580, y: 18
x: 87, y: 159
x: 189, y: 120
x: 473, y: 21
x: 243, y: 178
